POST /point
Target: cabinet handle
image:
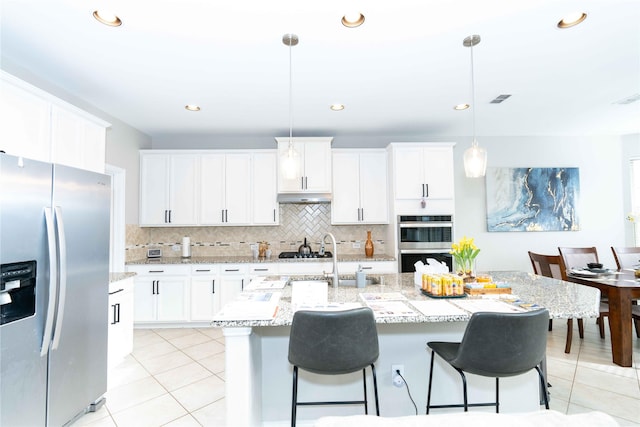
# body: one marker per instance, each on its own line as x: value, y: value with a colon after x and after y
x: 165, y: 215
x: 362, y: 214
x: 274, y: 215
x: 114, y: 314
x: 367, y: 268
x: 153, y: 287
x: 260, y: 269
x: 302, y: 182
x: 157, y: 287
x: 422, y: 190
x: 226, y: 215
x: 222, y: 215
x: 213, y: 286
x: 115, y: 292
x: 156, y: 271
x: 306, y: 183
x: 242, y: 285
x: 117, y: 313
x: 427, y: 192
x: 202, y: 271
x: 231, y: 269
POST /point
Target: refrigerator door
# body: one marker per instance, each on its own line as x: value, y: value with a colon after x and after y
x: 25, y: 191
x: 78, y: 352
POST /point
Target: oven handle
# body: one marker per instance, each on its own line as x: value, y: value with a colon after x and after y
x: 425, y: 251
x: 425, y: 225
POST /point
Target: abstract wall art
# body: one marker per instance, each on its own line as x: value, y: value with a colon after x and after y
x: 532, y: 199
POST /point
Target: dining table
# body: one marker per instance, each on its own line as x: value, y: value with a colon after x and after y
x: 620, y: 287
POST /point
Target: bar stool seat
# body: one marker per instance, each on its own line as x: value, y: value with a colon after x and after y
x: 333, y: 343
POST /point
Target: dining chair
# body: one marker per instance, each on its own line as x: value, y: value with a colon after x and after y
x: 550, y: 266
x: 495, y: 345
x: 626, y: 257
x: 333, y: 343
x: 579, y: 258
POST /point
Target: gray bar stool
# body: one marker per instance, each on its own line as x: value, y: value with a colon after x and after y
x: 496, y: 345
x: 333, y: 343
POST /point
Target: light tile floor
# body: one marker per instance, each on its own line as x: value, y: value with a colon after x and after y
x: 175, y: 377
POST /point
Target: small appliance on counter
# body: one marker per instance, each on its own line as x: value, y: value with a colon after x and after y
x: 154, y: 253
x: 186, y: 247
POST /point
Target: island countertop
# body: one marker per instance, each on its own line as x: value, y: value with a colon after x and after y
x: 562, y: 299
x: 251, y: 260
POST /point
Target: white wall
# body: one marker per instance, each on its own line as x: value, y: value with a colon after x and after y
x: 602, y: 213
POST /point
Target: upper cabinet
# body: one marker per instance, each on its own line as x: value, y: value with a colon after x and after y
x: 208, y: 187
x: 305, y: 168
x: 359, y: 187
x: 225, y: 189
x: 168, y: 189
x: 39, y: 126
x: 423, y: 176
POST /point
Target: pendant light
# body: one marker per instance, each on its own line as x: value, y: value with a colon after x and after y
x: 290, y: 158
x: 475, y: 157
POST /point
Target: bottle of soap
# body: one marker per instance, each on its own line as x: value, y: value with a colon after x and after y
x: 361, y: 278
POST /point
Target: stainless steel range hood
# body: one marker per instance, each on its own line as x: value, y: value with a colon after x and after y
x: 304, y: 198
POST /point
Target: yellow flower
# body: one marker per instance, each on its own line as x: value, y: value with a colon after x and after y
x: 464, y: 252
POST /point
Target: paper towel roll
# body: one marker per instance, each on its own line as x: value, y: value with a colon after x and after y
x: 186, y: 247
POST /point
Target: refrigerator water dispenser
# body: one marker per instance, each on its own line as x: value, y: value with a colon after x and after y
x: 17, y: 291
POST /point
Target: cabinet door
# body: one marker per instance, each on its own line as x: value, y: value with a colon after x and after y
x: 409, y: 173
x: 345, y: 203
x: 144, y: 299
x: 172, y: 298
x: 374, y: 201
x: 25, y: 123
x: 232, y: 280
x: 264, y: 191
x: 237, y: 194
x: 154, y: 189
x: 317, y: 166
x: 211, y: 189
x: 76, y: 141
x: 438, y: 172
x: 183, y: 174
x: 205, y: 297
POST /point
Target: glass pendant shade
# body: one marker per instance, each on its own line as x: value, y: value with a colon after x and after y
x: 290, y: 163
x: 475, y: 161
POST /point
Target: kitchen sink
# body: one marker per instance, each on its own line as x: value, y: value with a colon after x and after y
x: 352, y: 282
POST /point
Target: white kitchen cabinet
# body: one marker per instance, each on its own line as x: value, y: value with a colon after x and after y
x: 120, y: 331
x: 369, y: 267
x: 39, y: 126
x: 312, y: 165
x: 161, y: 293
x: 359, y: 187
x: 233, y: 278
x: 264, y: 189
x: 76, y: 141
x: 205, y: 292
x: 225, y: 189
x: 168, y: 189
x: 423, y: 171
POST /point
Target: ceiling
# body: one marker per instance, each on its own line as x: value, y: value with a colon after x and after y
x: 400, y: 73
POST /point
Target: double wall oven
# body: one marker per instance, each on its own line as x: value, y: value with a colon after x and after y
x: 424, y: 236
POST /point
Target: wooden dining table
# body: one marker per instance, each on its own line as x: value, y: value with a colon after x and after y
x: 621, y: 288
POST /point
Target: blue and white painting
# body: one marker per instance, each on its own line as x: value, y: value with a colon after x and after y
x: 532, y: 199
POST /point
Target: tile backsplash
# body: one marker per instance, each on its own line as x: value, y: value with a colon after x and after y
x: 297, y: 221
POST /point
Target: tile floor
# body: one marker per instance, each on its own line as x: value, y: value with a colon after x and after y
x: 175, y: 377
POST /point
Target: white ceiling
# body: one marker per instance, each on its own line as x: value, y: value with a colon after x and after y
x: 398, y: 74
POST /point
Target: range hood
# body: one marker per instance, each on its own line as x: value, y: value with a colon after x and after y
x: 304, y: 198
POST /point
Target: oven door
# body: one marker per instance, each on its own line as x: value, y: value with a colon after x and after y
x: 408, y: 258
x: 425, y: 232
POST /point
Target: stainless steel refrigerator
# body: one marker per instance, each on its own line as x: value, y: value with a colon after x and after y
x: 54, y: 262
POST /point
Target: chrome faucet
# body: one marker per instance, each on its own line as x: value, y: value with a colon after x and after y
x: 335, y: 258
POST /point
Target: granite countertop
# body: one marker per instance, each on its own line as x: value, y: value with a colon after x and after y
x: 562, y: 299
x: 117, y: 276
x: 251, y: 260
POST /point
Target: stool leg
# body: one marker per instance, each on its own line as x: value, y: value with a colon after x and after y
x: 430, y: 381
x: 497, y: 395
x: 543, y: 384
x: 375, y: 388
x: 294, y: 397
x: 364, y: 384
x: 567, y: 346
x: 464, y: 389
x: 581, y: 328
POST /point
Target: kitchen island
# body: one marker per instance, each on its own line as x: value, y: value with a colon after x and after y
x: 258, y: 374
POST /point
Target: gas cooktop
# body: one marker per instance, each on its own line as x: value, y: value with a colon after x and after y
x: 299, y: 255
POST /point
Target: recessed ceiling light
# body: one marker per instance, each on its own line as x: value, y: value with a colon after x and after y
x: 461, y: 107
x: 572, y: 20
x: 337, y: 107
x: 353, y: 20
x: 192, y: 107
x: 107, y: 18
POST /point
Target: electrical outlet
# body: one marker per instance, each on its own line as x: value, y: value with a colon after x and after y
x: 395, y: 378
x: 176, y: 248
x: 356, y: 245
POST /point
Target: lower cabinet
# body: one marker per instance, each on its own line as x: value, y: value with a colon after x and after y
x: 205, y: 292
x: 233, y: 278
x: 162, y: 293
x: 120, y: 329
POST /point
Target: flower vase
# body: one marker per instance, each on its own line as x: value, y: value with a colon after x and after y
x: 468, y: 271
x: 368, y: 246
